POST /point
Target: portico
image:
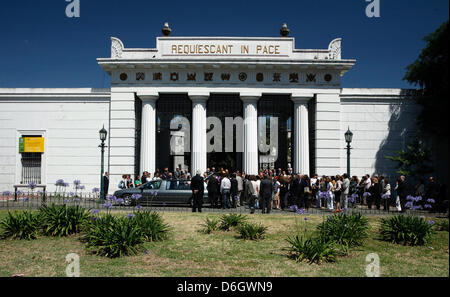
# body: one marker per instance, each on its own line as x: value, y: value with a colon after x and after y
x: 176, y: 79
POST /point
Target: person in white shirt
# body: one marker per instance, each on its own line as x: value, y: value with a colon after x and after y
x: 367, y: 183
x: 149, y: 177
x: 225, y: 187
x: 258, y: 184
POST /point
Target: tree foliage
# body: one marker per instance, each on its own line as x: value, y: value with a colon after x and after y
x: 415, y: 161
x: 430, y: 73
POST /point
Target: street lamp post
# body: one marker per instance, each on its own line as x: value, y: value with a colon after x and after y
x: 348, y: 139
x: 103, y: 134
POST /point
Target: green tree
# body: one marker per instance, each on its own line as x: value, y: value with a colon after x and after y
x: 430, y: 73
x: 415, y: 161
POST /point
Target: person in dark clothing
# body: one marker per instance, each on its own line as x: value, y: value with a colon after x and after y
x: 401, y: 192
x: 266, y: 191
x: 442, y: 200
x: 234, y: 191
x: 296, y: 191
x: 375, y: 195
x: 244, y: 195
x: 213, y: 190
x: 197, y: 187
x: 305, y: 187
x: 250, y: 192
x: 432, y: 189
x: 284, y: 188
x: 378, y: 192
x: 165, y: 175
x: 105, y: 184
x: 144, y: 177
x: 291, y: 196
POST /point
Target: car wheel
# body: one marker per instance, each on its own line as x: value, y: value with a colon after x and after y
x: 191, y: 202
x: 127, y: 200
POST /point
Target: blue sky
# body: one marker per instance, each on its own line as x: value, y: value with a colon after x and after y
x: 41, y: 47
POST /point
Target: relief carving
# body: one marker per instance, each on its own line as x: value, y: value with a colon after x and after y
x: 335, y: 49
x: 116, y: 48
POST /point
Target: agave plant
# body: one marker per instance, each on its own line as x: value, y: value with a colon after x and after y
x: 314, y: 250
x: 251, y: 231
x: 231, y: 221
x: 62, y: 220
x: 210, y: 225
x: 20, y: 225
x: 408, y: 230
x: 113, y: 236
x: 152, y: 225
x: 345, y: 229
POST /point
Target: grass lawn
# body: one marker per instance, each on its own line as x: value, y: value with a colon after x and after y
x: 191, y: 253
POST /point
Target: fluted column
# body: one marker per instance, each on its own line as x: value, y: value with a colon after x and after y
x: 250, y: 156
x: 301, y: 134
x: 148, y: 133
x: 199, y: 148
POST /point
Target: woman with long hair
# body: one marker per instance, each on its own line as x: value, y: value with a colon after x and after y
x: 330, y: 190
x: 338, y: 192
x: 386, y: 194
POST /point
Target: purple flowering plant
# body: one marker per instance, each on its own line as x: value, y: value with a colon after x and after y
x: 7, y: 193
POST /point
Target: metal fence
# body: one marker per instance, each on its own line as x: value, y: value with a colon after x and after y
x: 33, y: 200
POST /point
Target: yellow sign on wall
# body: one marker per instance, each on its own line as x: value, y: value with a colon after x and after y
x: 31, y: 145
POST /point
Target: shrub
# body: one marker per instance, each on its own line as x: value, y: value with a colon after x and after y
x: 210, y: 225
x: 113, y: 237
x: 20, y: 225
x: 62, y: 220
x: 315, y: 249
x: 344, y: 229
x: 406, y: 229
x: 152, y: 225
x: 231, y: 221
x: 251, y: 231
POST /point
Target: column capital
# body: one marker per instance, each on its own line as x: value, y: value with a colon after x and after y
x: 301, y: 98
x: 250, y: 97
x: 198, y: 96
x: 148, y: 97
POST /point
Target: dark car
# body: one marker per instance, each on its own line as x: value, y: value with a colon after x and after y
x: 157, y: 192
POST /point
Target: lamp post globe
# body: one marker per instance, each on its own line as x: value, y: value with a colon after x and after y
x: 103, y: 134
x: 348, y: 136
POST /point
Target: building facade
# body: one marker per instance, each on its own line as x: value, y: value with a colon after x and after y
x: 199, y: 102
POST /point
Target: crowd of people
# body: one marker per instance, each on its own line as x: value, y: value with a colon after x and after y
x: 284, y: 190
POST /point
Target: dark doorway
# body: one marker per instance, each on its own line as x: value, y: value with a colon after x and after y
x: 281, y: 107
x: 169, y: 107
x: 223, y: 106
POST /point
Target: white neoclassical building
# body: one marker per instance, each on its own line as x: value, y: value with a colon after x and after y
x: 165, y: 102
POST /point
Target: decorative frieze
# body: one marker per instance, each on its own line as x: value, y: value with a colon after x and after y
x: 273, y: 78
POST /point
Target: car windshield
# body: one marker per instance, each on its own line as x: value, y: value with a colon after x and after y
x: 178, y: 185
x: 154, y: 185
